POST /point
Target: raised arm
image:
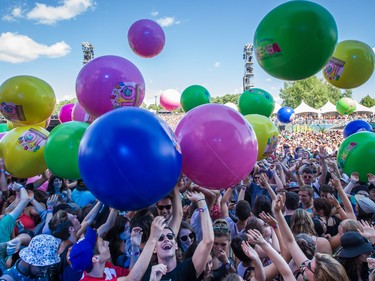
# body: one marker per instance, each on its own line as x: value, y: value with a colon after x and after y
x: 263, y: 181
x: 177, y: 210
x: 89, y: 218
x: 323, y: 164
x: 296, y: 252
x: 345, y: 200
x: 255, y: 237
x: 109, y: 223
x: 259, y: 274
x: 143, y: 261
x: 204, y: 247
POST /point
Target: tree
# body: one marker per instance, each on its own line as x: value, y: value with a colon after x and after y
x: 367, y: 101
x: 314, y: 91
x: 227, y: 98
x: 61, y: 103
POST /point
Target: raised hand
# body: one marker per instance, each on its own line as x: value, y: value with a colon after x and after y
x: 249, y: 251
x: 255, y: 237
x: 157, y: 227
x: 354, y: 177
x: 157, y: 271
x: 268, y: 219
x: 136, y: 236
x: 371, y: 178
x: 278, y: 204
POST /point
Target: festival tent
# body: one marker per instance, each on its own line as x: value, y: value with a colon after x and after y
x: 304, y: 108
x: 361, y: 108
x: 328, y: 108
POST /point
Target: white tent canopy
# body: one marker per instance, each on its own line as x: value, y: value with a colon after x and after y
x: 361, y: 108
x: 328, y: 108
x: 304, y: 108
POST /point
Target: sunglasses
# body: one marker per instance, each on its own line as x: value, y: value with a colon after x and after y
x: 256, y: 178
x: 221, y: 227
x: 161, y: 207
x: 304, y: 265
x: 185, y: 237
x: 170, y: 236
x: 307, y: 177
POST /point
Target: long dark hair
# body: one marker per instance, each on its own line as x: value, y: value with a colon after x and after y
x: 51, y: 189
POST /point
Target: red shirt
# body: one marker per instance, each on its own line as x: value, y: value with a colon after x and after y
x: 111, y: 272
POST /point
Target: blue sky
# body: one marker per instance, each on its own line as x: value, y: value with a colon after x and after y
x: 204, y: 40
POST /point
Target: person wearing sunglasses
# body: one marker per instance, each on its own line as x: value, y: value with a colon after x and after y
x: 186, y: 236
x: 170, y: 207
x: 166, y: 247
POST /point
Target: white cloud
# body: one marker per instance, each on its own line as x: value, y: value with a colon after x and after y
x: 14, y: 14
x: 373, y: 49
x: 16, y: 48
x: 69, y: 9
x: 217, y: 64
x: 268, y: 79
x: 154, y: 13
x: 167, y: 21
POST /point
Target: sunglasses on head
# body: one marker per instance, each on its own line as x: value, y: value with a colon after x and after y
x: 184, y: 238
x: 170, y: 236
x: 161, y: 207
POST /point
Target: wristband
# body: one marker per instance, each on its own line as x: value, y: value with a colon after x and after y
x: 275, y: 226
x: 201, y: 200
x: 201, y: 210
x: 2, y: 171
x: 134, y: 253
x: 49, y: 211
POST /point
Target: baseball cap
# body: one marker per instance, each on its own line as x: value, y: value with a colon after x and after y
x: 83, y: 250
x: 365, y: 203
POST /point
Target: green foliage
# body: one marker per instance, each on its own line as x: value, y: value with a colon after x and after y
x: 61, y: 103
x: 227, y: 98
x: 367, y: 101
x: 315, y: 92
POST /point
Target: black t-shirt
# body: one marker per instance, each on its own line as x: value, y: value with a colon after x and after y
x: 184, y: 271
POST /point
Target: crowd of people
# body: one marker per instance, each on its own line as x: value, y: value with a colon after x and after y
x: 297, y: 216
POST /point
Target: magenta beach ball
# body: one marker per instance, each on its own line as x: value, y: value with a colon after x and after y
x: 107, y: 83
x: 219, y: 147
x: 146, y: 38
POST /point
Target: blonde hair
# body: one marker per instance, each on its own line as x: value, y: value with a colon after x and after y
x: 328, y: 269
x: 301, y: 222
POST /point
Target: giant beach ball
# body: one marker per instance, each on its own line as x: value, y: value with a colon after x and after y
x: 266, y: 133
x: 256, y: 101
x: 295, y: 40
x: 61, y: 151
x: 219, y: 148
x: 129, y: 158
x: 26, y: 100
x: 285, y: 114
x: 170, y: 99
x: 146, y: 38
x: 351, y: 65
x: 356, y: 126
x: 194, y: 96
x: 23, y: 151
x: 107, y: 83
x: 357, y: 154
x: 345, y: 106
